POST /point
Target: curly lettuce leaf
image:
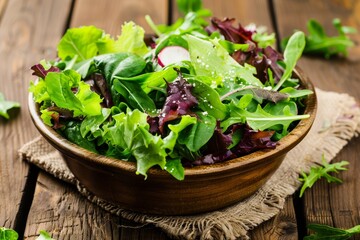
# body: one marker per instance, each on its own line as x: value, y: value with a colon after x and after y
x: 84, y: 102
x: 131, y: 134
x: 131, y: 40
x: 218, y: 62
x: 80, y: 42
x: 6, y: 105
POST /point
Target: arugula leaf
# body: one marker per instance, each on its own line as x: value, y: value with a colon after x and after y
x: 80, y: 42
x: 261, y: 119
x: 292, y: 53
x: 131, y: 40
x: 317, y: 42
x: 85, y: 102
x: 8, y: 234
x: 321, y: 171
x: 328, y: 232
x: 296, y: 93
x: 6, y: 105
x: 44, y: 236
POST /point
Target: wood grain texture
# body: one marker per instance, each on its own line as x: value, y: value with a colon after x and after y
x: 242, y: 11
x: 334, y: 204
x: 110, y: 14
x: 56, y: 207
x: 25, y: 39
x: 282, y: 226
x: 60, y: 210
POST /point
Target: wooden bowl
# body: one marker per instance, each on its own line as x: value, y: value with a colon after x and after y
x: 205, y: 188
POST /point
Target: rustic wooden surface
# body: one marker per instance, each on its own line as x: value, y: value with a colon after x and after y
x: 30, y: 30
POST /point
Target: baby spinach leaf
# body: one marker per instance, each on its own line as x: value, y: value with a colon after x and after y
x: 73, y: 134
x: 209, y: 99
x: 134, y: 95
x: 119, y: 65
x: 5, y: 106
x: 149, y: 81
x: 198, y: 134
x: 131, y: 40
x: 79, y: 42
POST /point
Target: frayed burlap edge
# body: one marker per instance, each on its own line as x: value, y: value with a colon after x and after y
x: 337, y: 121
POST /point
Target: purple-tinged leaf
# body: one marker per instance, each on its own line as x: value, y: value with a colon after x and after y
x: 179, y: 101
x: 254, y: 140
x: 40, y: 71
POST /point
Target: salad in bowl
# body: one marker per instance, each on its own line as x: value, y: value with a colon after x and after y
x: 213, y: 105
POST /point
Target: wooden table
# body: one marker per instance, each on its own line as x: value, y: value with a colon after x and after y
x: 31, y: 200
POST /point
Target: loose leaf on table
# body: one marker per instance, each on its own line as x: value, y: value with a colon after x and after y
x: 325, y: 232
x: 319, y: 43
x: 6, y: 105
x: 321, y: 171
x: 80, y: 42
x: 8, y: 234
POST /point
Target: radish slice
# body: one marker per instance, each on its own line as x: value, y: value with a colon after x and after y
x: 172, y: 54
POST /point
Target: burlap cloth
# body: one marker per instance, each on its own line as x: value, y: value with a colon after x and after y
x: 337, y: 121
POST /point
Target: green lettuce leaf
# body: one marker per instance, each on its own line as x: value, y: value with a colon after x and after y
x: 131, y: 40
x: 131, y: 133
x: 85, y: 102
x: 175, y: 168
x: 92, y: 123
x: 218, y: 62
x: 80, y: 42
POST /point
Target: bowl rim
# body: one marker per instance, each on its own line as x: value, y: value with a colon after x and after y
x: 283, y: 145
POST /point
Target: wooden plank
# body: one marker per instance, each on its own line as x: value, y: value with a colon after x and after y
x: 2, y: 7
x: 110, y: 15
x: 282, y: 226
x: 333, y: 204
x: 57, y: 207
x: 26, y: 36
